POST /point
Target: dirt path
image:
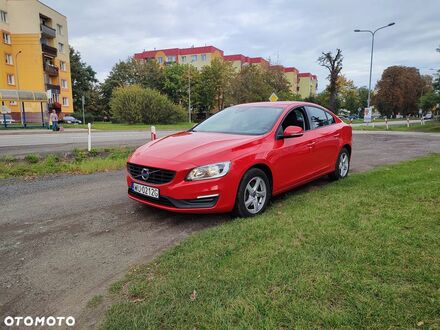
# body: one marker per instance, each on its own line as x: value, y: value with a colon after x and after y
x: 53, y: 260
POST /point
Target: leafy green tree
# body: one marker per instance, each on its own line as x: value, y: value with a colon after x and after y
x: 249, y: 85
x: 83, y: 78
x: 175, y: 83
x: 277, y: 81
x: 124, y: 73
x: 135, y: 104
x: 334, y: 66
x: 429, y: 101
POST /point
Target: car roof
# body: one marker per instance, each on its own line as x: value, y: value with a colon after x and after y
x: 283, y: 104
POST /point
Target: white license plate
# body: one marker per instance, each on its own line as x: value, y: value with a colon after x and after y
x: 145, y: 190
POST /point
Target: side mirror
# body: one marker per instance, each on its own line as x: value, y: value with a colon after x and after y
x: 293, y: 131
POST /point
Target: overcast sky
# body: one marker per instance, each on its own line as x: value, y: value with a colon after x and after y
x: 293, y: 33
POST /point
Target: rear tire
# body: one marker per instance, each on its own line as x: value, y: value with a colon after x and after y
x: 342, y: 165
x: 253, y: 193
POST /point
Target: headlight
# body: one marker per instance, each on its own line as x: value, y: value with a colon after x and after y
x: 211, y: 171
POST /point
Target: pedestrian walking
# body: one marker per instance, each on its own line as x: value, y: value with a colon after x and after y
x: 54, y: 119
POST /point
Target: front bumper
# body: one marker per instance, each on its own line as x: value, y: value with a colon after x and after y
x: 206, y: 196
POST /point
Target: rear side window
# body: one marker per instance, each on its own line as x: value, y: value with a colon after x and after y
x: 318, y: 117
x: 330, y: 118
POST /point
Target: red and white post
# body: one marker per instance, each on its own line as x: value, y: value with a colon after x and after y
x: 153, y: 135
x: 386, y: 122
x: 407, y: 121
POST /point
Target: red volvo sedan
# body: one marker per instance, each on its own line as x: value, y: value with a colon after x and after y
x: 240, y: 157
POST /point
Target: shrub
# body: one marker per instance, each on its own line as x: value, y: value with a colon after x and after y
x: 134, y: 104
x: 32, y: 158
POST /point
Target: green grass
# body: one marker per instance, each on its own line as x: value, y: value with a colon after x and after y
x: 363, y: 252
x: 79, y: 162
x: 429, y: 127
x: 95, y: 301
x: 106, y: 126
x: 378, y: 120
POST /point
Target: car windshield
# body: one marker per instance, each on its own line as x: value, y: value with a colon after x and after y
x: 248, y: 120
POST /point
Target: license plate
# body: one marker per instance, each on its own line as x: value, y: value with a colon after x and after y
x: 145, y: 190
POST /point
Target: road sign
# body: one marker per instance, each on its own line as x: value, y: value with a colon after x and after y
x: 367, y: 115
x: 5, y: 109
x: 273, y: 97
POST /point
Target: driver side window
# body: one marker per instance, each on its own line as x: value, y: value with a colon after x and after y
x: 296, y: 117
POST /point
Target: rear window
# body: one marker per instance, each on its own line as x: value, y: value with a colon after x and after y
x: 318, y: 117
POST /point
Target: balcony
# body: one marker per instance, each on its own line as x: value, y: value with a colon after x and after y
x: 49, y: 50
x: 51, y: 70
x: 54, y: 88
x: 47, y: 31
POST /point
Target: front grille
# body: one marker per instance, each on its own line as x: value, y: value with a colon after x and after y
x: 156, y: 175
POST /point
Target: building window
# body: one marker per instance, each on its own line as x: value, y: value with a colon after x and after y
x: 171, y: 58
x: 11, y: 79
x: 64, y: 83
x: 61, y: 47
x: 193, y: 58
x: 159, y: 60
x: 9, y: 59
x: 63, y: 66
x: 65, y: 101
x: 6, y: 38
x: 183, y: 59
x: 13, y: 103
x: 60, y: 30
x: 203, y: 57
x: 3, y: 16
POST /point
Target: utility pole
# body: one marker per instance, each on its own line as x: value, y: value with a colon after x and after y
x: 84, y: 117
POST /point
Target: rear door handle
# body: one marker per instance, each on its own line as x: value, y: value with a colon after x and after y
x: 336, y: 135
x: 311, y: 144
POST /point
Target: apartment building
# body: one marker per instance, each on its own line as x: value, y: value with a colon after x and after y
x: 304, y: 84
x: 196, y: 56
x: 307, y: 84
x: 36, y: 58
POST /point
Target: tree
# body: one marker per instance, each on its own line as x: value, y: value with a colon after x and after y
x: 277, y: 81
x: 83, y: 78
x: 334, y: 66
x: 135, y: 104
x: 398, y: 91
x: 249, y: 85
x: 429, y: 101
x: 124, y: 73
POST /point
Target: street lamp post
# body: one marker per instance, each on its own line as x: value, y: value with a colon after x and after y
x: 371, y: 58
x: 22, y: 111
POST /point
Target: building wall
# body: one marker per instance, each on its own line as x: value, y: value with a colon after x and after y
x: 307, y: 86
x: 24, y: 27
x: 292, y: 78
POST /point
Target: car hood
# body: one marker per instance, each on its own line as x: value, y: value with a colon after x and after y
x: 195, y: 148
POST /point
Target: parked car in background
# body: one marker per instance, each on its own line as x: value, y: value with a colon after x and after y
x: 428, y: 115
x: 6, y: 118
x: 70, y: 120
x: 239, y: 158
x: 353, y: 117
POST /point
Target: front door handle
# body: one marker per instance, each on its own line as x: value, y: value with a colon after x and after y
x: 311, y: 144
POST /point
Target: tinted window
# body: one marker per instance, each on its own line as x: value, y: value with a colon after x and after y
x: 248, y: 120
x: 330, y: 119
x: 318, y: 117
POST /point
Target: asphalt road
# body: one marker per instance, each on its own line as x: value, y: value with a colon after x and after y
x: 66, y: 238
x: 20, y: 143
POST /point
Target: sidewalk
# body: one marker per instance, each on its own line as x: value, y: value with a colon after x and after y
x: 27, y: 131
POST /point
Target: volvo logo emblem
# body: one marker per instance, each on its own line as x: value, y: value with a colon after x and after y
x: 145, y: 173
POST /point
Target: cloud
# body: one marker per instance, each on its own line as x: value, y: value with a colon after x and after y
x: 294, y: 33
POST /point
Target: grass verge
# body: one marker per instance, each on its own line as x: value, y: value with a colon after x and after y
x: 429, y: 127
x: 106, y: 126
x: 363, y: 252
x: 79, y: 162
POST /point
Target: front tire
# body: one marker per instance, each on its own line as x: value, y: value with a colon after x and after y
x: 342, y: 165
x: 253, y: 193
